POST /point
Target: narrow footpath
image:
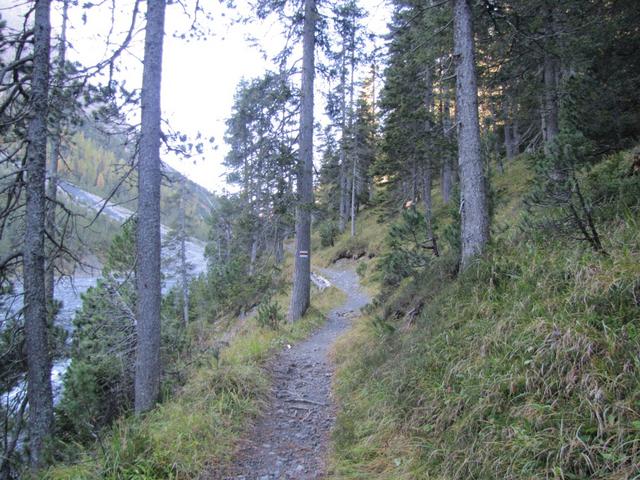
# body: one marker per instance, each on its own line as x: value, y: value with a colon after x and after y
x: 290, y: 441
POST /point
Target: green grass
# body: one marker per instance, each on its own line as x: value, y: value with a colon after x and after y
x: 526, y: 366
x: 369, y: 239
x: 199, y: 427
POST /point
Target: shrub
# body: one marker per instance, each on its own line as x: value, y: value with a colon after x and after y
x: 408, y: 251
x: 361, y: 269
x: 328, y: 232
x: 269, y: 315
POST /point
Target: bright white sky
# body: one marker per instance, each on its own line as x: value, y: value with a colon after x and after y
x: 199, y: 76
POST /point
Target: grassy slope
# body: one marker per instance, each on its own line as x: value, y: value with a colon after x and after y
x: 526, y: 366
x: 199, y: 427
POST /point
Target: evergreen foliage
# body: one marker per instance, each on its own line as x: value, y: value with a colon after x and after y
x: 514, y: 362
x: 408, y: 243
x: 518, y: 368
x: 269, y: 315
x: 98, y: 385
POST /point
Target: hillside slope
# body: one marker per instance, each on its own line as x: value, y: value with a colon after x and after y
x: 97, y: 166
x: 525, y: 366
x: 98, y: 163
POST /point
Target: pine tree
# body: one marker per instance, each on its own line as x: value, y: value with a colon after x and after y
x: 301, y: 294
x: 147, y: 378
x: 474, y: 206
x: 35, y: 311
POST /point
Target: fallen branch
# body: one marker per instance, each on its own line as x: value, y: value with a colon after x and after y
x: 304, y: 400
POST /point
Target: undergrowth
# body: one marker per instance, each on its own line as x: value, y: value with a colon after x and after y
x: 198, y: 428
x: 525, y: 366
x: 367, y: 243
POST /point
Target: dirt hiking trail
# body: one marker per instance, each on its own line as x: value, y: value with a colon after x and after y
x: 290, y: 440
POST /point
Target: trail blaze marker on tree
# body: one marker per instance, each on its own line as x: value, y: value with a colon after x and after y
x: 303, y: 254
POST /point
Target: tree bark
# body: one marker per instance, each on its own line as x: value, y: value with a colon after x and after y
x: 551, y: 71
x: 35, y: 303
x: 474, y: 208
x: 342, y: 218
x: 427, y: 181
x: 447, y: 167
x: 301, y: 294
x: 427, y: 177
x: 52, y: 182
x: 354, y: 207
x: 278, y: 243
x: 257, y: 209
x: 509, y: 129
x: 550, y: 108
x: 147, y: 379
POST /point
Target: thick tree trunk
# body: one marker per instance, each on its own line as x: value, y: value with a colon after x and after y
x: 35, y: 302
x: 52, y: 181
x: 147, y: 381
x: 475, y: 218
x: 300, y: 297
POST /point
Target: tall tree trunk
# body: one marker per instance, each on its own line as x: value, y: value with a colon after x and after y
x: 414, y: 181
x: 428, y: 160
x: 550, y: 99
x: 228, y: 234
x: 427, y: 182
x: 253, y: 255
x: 52, y: 182
x: 510, y: 141
x: 147, y: 379
x: 509, y: 128
x: 551, y: 72
x: 447, y: 167
x: 354, y: 207
x: 447, y: 179
x: 493, y: 145
x: 374, y: 73
x: 257, y: 208
x: 515, y: 136
x: 475, y: 217
x: 35, y: 302
x: 184, y: 270
x: 300, y: 297
x: 342, y: 218
x: 278, y: 243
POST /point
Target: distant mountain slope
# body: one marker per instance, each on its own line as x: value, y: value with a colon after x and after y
x: 97, y: 163
x: 118, y: 214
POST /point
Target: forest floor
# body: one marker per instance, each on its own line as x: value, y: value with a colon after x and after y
x: 290, y: 440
